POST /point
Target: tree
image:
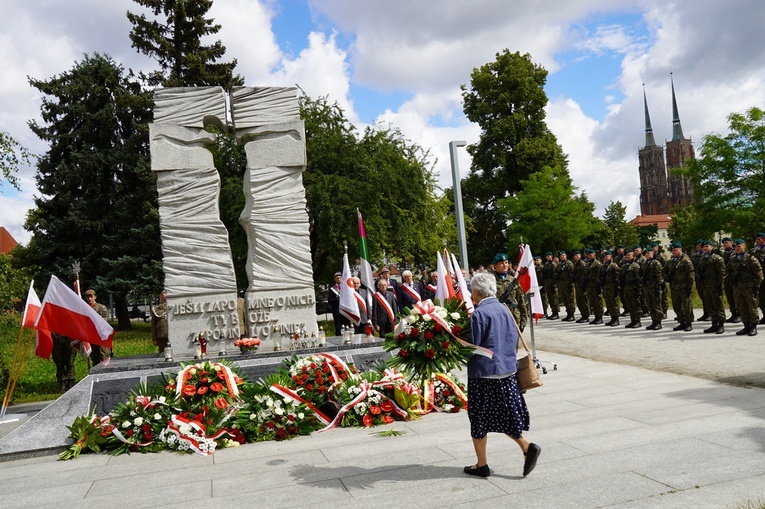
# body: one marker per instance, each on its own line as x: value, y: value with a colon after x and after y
x: 687, y: 227
x: 14, y: 283
x: 12, y: 153
x: 98, y: 201
x: 548, y: 214
x: 729, y: 178
x: 383, y: 175
x: 506, y: 99
x: 174, y: 40
x: 620, y: 232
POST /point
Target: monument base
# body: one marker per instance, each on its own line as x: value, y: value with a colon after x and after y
x: 292, y: 311
x: 215, y: 317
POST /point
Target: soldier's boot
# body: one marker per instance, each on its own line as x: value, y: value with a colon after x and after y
x: 735, y: 318
x: 597, y: 321
x: 62, y: 386
x: 711, y: 329
x: 665, y: 316
x: 744, y: 331
x: 645, y: 314
x: 610, y: 322
x: 704, y: 318
x: 615, y: 322
x: 569, y: 318
x: 630, y: 325
x: 555, y: 316
x: 752, y: 329
x: 659, y: 326
x: 583, y: 319
x: 638, y: 324
x: 679, y: 327
x: 720, y: 328
x: 652, y: 326
x: 70, y: 383
x: 688, y: 327
x: 624, y: 313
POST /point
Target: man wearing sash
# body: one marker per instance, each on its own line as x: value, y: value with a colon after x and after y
x: 360, y: 295
x: 333, y: 299
x: 430, y: 289
x: 384, y: 309
x: 410, y: 292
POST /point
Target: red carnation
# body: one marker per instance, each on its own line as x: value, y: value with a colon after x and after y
x: 221, y: 403
x: 403, y: 353
x: 375, y: 410
x: 447, y: 393
x: 367, y: 420
x: 325, y: 368
x: 270, y: 425
x: 401, y: 336
x: 428, y: 335
x: 414, y: 332
x: 343, y: 376
x: 430, y: 353
x: 129, y: 433
x: 313, y: 365
x: 444, y: 345
x: 387, y: 419
x: 386, y: 406
x: 309, y: 387
x: 456, y: 330
x: 438, y: 327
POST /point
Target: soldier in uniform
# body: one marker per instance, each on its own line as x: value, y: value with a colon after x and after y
x: 758, y: 251
x: 618, y: 255
x: 609, y: 276
x: 639, y: 258
x: 745, y: 272
x: 99, y: 353
x: 710, y: 275
x: 565, y: 279
x: 580, y: 284
x: 653, y: 287
x: 509, y: 291
x: 594, y: 288
x: 63, y: 355
x: 696, y: 257
x: 159, y: 332
x: 542, y: 292
x: 551, y: 288
x: 679, y: 273
x: 727, y: 253
x: 632, y: 283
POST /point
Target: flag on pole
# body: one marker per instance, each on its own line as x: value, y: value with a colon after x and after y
x: 464, y: 294
x: 444, y: 287
x: 63, y: 312
x: 527, y: 277
x: 43, y: 339
x: 366, y: 269
x: 349, y: 307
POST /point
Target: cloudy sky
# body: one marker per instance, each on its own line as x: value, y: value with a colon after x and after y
x: 401, y: 62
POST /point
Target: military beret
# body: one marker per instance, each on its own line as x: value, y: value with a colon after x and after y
x: 738, y: 241
x: 706, y: 243
x: 637, y: 246
x: 576, y: 251
x: 619, y: 247
x: 589, y: 250
x: 727, y: 239
x: 562, y: 251
x: 549, y: 253
x: 499, y: 257
x: 608, y: 251
x: 675, y: 243
x: 699, y: 241
x: 759, y: 234
x: 537, y: 257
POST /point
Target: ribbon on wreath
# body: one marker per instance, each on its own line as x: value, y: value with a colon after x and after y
x: 428, y: 309
x: 228, y: 378
x: 366, y: 390
x: 332, y: 361
x: 429, y: 392
x: 288, y: 393
x: 198, y: 440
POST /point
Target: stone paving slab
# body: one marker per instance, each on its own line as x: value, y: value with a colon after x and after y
x: 612, y: 436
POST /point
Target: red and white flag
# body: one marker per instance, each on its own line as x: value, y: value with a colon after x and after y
x: 464, y: 294
x: 527, y: 277
x: 63, y: 312
x: 43, y: 339
x: 349, y: 307
x: 444, y: 288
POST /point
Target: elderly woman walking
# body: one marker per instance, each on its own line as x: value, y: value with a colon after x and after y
x: 495, y: 403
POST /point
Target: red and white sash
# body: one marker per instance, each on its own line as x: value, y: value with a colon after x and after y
x: 412, y: 292
x: 384, y: 303
x: 360, y: 300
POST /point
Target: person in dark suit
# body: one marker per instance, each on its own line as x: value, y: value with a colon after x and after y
x: 430, y: 289
x: 384, y: 309
x: 333, y: 299
x: 410, y: 292
x: 392, y: 283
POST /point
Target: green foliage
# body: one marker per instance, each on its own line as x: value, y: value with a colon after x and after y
x: 14, y: 283
x: 686, y: 226
x: 729, y: 179
x: 506, y: 99
x: 380, y: 173
x: 548, y: 214
x: 173, y: 38
x: 12, y: 153
x: 620, y: 231
x: 648, y: 234
x: 98, y: 200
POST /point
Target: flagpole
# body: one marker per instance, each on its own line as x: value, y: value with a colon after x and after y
x: 6, y: 396
x: 18, y: 373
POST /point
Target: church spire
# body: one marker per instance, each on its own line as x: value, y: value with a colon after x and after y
x: 649, y: 140
x: 677, y: 129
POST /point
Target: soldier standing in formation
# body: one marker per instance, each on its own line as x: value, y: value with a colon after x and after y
x: 710, y: 277
x: 509, y: 291
x: 542, y: 291
x: 758, y: 251
x: 580, y: 285
x: 99, y: 353
x: 695, y: 257
x: 609, y: 276
x: 551, y: 288
x: 653, y: 288
x: 727, y: 253
x: 565, y: 279
x: 745, y: 273
x: 632, y: 282
x: 679, y: 274
x: 594, y: 289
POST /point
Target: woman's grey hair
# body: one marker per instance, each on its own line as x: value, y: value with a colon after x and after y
x: 485, y: 284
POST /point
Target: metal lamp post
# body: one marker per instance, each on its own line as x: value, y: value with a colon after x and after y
x: 458, y: 203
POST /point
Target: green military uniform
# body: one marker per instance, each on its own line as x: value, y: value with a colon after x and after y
x: 632, y: 283
x: 710, y: 277
x: 640, y: 260
x: 580, y: 284
x: 63, y: 355
x: 735, y: 317
x: 696, y: 257
x: 758, y: 251
x: 159, y: 330
x: 100, y: 353
x: 549, y: 270
x: 745, y: 272
x: 542, y: 293
x: 609, y: 276
x: 565, y: 280
x: 510, y: 293
x: 594, y: 289
x: 653, y: 288
x: 679, y: 273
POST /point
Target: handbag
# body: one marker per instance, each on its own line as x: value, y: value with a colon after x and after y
x: 527, y: 374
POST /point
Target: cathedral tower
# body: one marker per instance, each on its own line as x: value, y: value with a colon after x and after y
x: 654, y: 193
x: 679, y: 150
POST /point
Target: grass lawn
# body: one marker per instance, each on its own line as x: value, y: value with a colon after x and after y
x: 37, y: 381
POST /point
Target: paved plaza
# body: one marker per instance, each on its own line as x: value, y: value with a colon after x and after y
x: 612, y: 435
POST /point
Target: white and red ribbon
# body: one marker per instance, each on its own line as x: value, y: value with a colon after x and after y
x: 427, y: 308
x: 384, y: 303
x: 412, y: 292
x: 288, y: 393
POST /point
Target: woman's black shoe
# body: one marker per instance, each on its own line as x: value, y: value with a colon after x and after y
x: 476, y: 470
x: 531, y: 459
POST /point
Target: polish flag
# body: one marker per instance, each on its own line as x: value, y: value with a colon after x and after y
x: 464, y: 294
x: 527, y: 277
x: 63, y: 312
x: 349, y: 307
x: 444, y: 288
x: 43, y: 339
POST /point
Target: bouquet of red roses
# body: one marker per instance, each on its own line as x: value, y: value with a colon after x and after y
x: 315, y: 374
x: 360, y: 403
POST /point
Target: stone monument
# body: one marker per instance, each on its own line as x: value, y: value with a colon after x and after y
x: 199, y: 272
